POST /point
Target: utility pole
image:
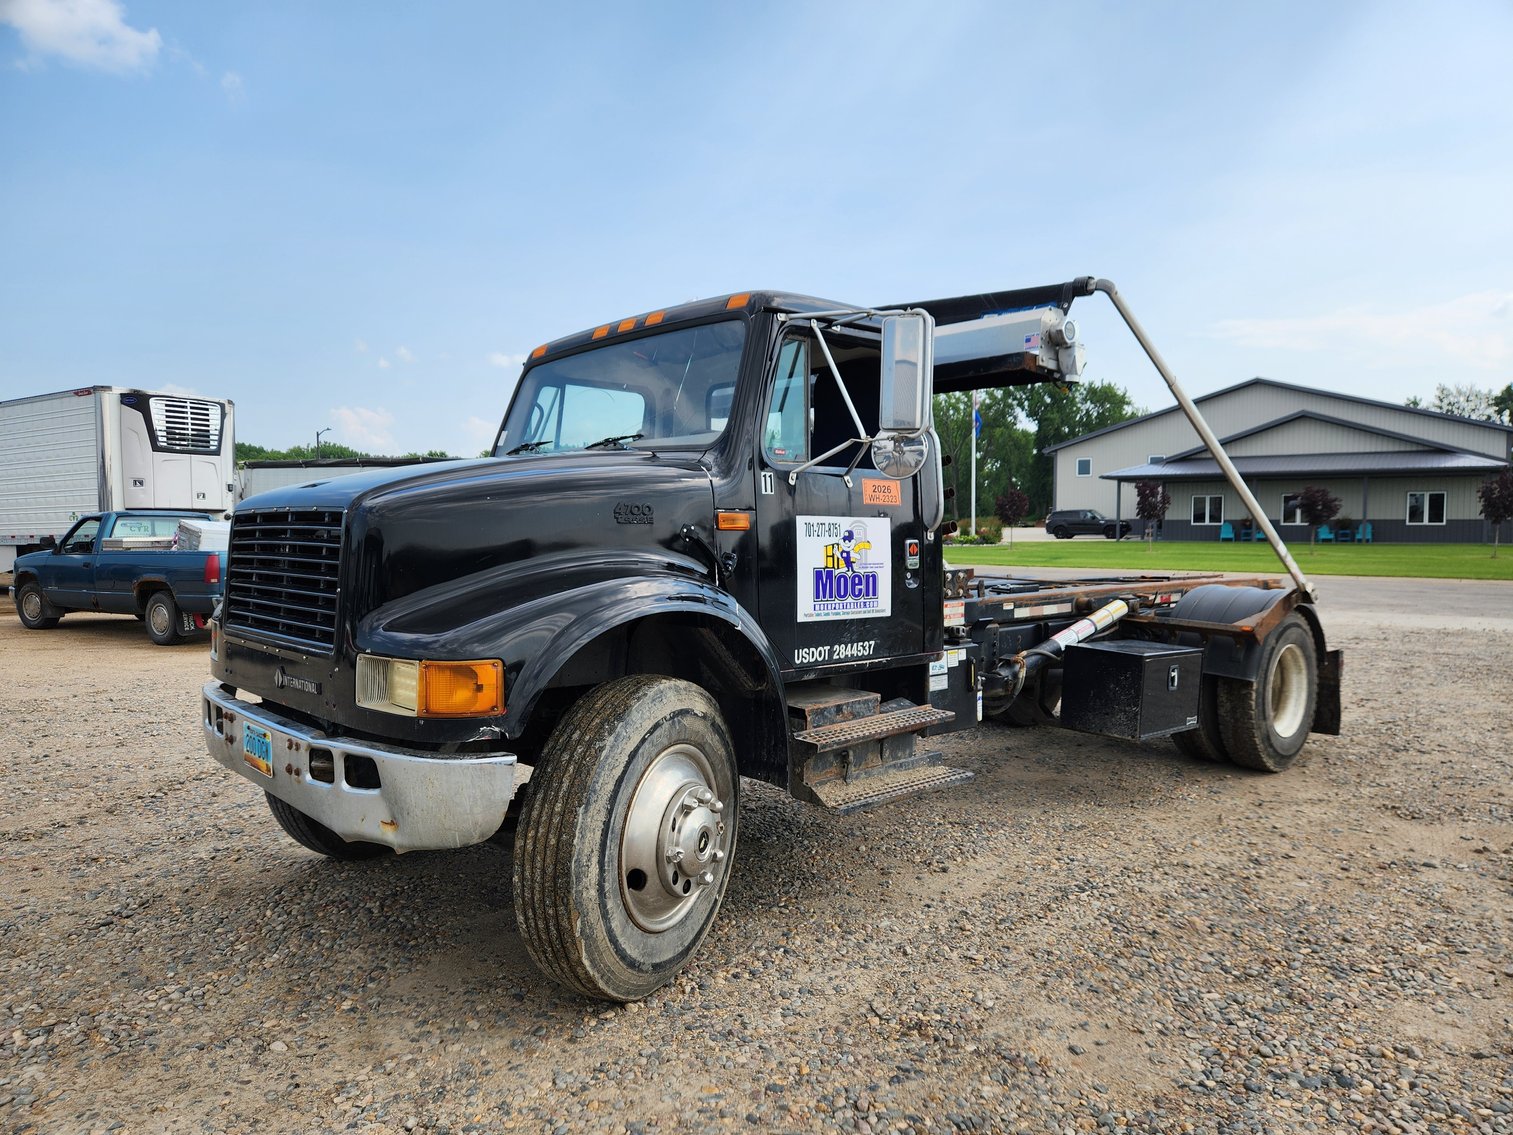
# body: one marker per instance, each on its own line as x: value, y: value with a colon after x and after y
x: 318, y: 434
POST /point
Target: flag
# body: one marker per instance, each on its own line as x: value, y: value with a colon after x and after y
x: 976, y: 416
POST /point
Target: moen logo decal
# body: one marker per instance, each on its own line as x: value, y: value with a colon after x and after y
x: 286, y: 681
x: 626, y: 513
x: 845, y: 568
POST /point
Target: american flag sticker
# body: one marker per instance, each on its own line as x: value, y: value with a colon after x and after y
x: 1032, y: 342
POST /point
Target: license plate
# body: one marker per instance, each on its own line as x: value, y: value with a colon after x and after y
x: 257, y: 748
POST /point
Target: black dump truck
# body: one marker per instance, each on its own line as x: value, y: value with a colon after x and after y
x: 708, y: 546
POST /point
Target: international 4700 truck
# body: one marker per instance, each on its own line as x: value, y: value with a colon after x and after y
x: 708, y: 547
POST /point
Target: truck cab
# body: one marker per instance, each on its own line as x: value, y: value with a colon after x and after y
x: 707, y: 546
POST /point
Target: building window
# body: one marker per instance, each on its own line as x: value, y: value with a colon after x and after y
x: 1426, y: 508
x: 1155, y: 459
x: 1208, y: 510
x: 1292, y: 508
x: 1084, y: 466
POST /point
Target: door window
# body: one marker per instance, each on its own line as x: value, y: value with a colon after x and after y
x: 810, y: 413
x: 81, y: 541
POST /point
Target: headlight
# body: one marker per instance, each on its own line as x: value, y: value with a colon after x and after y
x: 431, y: 689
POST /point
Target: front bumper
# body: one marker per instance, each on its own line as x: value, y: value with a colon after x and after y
x: 407, y: 799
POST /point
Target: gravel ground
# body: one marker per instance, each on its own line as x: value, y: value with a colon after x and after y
x: 1092, y: 936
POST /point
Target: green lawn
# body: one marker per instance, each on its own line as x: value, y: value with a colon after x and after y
x: 1432, y: 561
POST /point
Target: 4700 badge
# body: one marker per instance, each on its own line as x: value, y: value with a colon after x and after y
x: 257, y: 748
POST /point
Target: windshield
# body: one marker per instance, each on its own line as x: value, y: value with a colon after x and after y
x: 658, y: 391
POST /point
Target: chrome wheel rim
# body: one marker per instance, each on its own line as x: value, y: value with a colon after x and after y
x: 159, y: 619
x: 1287, y: 690
x: 31, y: 604
x: 676, y: 839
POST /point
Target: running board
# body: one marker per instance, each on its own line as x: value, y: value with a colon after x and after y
x: 850, y: 751
x: 880, y: 787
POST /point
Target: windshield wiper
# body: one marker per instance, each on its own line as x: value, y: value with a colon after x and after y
x: 525, y: 447
x: 606, y: 442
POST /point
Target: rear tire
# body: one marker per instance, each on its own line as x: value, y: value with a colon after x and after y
x: 1061, y: 533
x: 625, y: 843
x: 1266, y: 722
x: 1206, y: 742
x: 319, y: 838
x: 162, y: 619
x: 33, y: 609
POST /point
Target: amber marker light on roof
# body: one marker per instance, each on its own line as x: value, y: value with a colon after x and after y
x: 733, y: 521
x: 627, y: 324
x: 539, y: 351
x: 655, y: 318
x: 600, y: 332
x: 739, y: 300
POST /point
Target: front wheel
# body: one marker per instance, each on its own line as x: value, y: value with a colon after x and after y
x: 625, y: 843
x: 162, y: 619
x: 317, y: 837
x: 33, y: 609
x: 1266, y: 722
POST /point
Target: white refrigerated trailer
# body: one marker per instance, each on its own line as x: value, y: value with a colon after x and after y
x: 108, y: 448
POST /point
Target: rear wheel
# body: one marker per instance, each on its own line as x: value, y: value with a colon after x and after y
x: 317, y: 837
x: 1206, y: 742
x: 162, y: 618
x: 625, y: 843
x: 1061, y: 533
x: 33, y: 609
x: 1266, y: 722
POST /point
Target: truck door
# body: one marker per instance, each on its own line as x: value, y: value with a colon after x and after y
x: 840, y: 553
x: 71, y: 569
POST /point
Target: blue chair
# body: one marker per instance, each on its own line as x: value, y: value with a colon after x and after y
x: 1258, y: 535
x: 1226, y: 531
x: 1363, y: 533
x: 1326, y: 534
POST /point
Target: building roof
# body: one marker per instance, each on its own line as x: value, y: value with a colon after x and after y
x: 1312, y: 415
x: 1258, y: 381
x: 1310, y: 464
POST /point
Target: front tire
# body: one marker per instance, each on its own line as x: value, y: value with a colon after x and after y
x: 33, y: 609
x: 1266, y: 722
x: 625, y: 843
x: 317, y: 837
x: 162, y: 619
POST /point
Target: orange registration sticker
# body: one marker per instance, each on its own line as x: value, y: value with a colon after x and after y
x: 881, y: 492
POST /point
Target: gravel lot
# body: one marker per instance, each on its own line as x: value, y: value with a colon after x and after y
x: 1091, y: 936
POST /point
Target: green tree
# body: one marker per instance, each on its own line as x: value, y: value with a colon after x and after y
x: 1319, y: 506
x: 1502, y: 402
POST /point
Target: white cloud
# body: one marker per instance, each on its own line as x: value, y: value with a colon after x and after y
x: 383, y: 364
x: 364, y: 428
x: 404, y: 355
x: 479, y: 434
x: 1470, y: 330
x: 235, y: 88
x: 90, y: 33
x: 360, y: 346
x: 506, y: 362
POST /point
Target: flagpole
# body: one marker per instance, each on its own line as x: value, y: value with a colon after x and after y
x: 976, y: 426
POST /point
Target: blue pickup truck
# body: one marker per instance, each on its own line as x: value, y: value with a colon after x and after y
x: 127, y: 563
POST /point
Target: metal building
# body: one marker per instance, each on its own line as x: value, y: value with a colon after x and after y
x: 1401, y: 474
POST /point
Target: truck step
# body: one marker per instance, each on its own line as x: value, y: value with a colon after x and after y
x: 846, y: 734
x: 810, y: 707
x: 868, y: 792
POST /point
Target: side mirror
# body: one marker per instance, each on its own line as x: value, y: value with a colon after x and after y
x: 50, y: 543
x: 908, y: 372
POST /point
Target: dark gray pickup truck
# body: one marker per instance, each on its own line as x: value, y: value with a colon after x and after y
x: 123, y: 563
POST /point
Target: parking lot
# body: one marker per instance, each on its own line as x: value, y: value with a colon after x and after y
x: 1091, y: 935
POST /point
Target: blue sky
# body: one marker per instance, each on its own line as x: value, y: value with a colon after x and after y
x: 362, y: 215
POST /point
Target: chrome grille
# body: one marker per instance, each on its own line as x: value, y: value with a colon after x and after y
x: 283, y: 576
x: 181, y: 423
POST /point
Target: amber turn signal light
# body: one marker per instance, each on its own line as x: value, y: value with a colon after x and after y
x: 461, y: 689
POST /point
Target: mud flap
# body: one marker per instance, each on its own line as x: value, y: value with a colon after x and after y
x: 1326, y: 709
